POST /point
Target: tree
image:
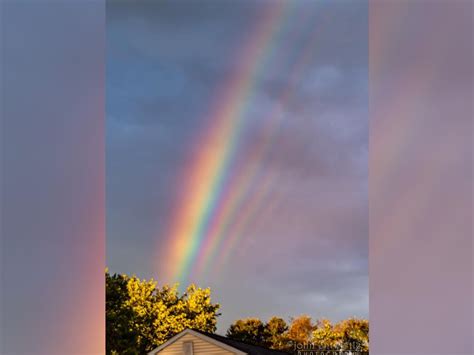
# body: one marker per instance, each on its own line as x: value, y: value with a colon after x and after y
x: 253, y: 331
x: 300, y: 329
x: 325, y: 337
x: 322, y: 337
x: 118, y: 317
x: 348, y: 335
x: 354, y: 334
x: 275, y: 333
x: 140, y: 315
x: 250, y: 330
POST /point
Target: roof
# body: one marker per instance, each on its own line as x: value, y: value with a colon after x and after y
x: 229, y: 344
x: 248, y: 348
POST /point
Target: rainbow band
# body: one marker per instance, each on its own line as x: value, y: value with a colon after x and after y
x: 207, y: 175
x: 230, y: 236
x: 217, y: 204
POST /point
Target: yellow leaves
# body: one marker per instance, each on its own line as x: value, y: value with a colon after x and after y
x: 349, y: 334
x: 154, y: 314
x: 300, y: 329
x: 323, y: 336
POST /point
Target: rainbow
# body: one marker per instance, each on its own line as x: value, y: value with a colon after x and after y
x: 215, y: 189
x: 206, y: 175
x: 266, y: 181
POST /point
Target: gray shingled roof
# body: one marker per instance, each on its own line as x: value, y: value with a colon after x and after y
x: 248, y: 348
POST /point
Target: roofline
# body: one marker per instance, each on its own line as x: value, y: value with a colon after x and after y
x: 250, y: 344
x: 199, y: 335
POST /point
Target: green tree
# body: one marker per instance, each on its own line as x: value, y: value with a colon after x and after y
x: 140, y: 315
x: 118, y: 317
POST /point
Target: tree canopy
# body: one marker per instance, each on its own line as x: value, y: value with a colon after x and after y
x: 250, y: 330
x: 321, y: 336
x: 140, y: 315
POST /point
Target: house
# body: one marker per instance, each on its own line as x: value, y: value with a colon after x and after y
x: 193, y: 342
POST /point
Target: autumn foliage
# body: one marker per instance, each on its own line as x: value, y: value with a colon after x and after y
x: 350, y: 335
x: 141, y: 315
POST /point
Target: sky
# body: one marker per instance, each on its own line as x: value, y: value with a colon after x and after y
x: 237, y: 140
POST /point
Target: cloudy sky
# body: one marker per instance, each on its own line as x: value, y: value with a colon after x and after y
x: 295, y: 170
